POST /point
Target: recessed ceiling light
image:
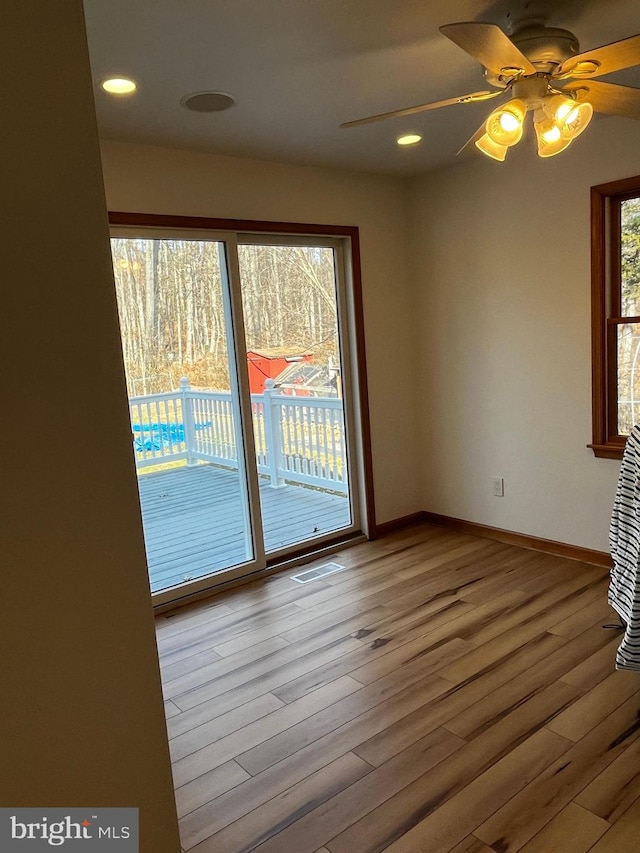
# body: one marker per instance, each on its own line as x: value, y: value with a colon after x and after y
x: 409, y: 139
x: 119, y: 86
x: 208, y: 102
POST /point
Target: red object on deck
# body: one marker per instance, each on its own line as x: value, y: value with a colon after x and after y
x: 268, y: 363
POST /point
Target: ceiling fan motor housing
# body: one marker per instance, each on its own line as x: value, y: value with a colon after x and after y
x: 545, y: 47
x: 532, y: 90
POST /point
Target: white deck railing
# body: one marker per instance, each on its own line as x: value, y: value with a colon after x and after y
x: 297, y: 439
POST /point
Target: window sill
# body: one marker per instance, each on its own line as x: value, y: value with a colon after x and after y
x: 607, y: 451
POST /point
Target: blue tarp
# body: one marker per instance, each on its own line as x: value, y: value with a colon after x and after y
x: 160, y: 435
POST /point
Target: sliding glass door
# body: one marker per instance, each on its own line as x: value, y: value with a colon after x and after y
x: 240, y: 394
x: 296, y: 370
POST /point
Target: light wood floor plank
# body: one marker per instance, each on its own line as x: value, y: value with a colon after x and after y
x: 453, y: 576
x: 526, y: 813
x: 228, y: 626
x: 214, y: 730
x: 412, y: 639
x: 383, y: 559
x: 518, y: 572
x: 500, y: 701
x: 268, y: 728
x: 471, y: 845
x: 398, y: 736
x: 379, y: 572
x: 350, y: 619
x: 277, y: 590
x: 462, y: 625
x: 395, y: 689
x: 511, y: 639
x: 429, y: 793
x: 178, y: 621
x: 237, y: 687
x: 361, y: 798
x: 205, y: 713
x: 215, y: 815
x: 461, y: 579
x: 174, y: 669
x: 443, y: 693
x: 207, y: 787
x: 547, y: 608
x: 449, y: 557
x: 595, y: 667
x: 573, y: 830
x: 596, y: 705
x: 616, y: 788
x: 269, y: 819
x: 597, y: 611
x: 623, y: 835
x: 453, y: 820
x: 420, y: 620
x: 243, y: 666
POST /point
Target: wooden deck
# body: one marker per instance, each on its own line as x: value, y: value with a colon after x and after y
x: 442, y: 694
x: 194, y: 523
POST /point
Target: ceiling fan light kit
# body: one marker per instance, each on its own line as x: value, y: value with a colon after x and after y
x: 536, y: 67
x: 557, y: 121
x: 576, y: 120
x: 548, y: 134
x: 505, y: 124
x: 490, y: 148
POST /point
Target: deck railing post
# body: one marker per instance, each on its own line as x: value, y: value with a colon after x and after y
x: 188, y: 420
x: 272, y: 434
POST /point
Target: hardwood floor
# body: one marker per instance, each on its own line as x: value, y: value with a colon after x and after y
x: 442, y: 693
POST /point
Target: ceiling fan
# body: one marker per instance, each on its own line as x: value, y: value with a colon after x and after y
x: 538, y: 70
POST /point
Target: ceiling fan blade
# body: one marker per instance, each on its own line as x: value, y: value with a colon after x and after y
x: 489, y: 45
x: 609, y: 57
x: 607, y: 98
x: 420, y: 108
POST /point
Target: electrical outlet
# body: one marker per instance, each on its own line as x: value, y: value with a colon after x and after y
x: 498, y: 487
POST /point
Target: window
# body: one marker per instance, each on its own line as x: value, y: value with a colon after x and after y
x: 615, y: 264
x: 242, y: 345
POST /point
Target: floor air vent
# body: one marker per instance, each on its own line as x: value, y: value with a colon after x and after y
x: 317, y: 573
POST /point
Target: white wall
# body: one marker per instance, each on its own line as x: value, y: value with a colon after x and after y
x: 154, y: 180
x: 81, y: 714
x: 502, y: 270
x: 477, y: 303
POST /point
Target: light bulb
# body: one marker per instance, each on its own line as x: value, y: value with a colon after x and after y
x: 557, y: 107
x: 571, y: 116
x: 490, y: 148
x: 549, y: 135
x: 553, y: 134
x: 509, y: 122
x: 504, y: 125
x: 577, y: 120
x: 563, y: 110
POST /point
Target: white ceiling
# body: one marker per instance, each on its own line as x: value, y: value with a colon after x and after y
x: 298, y: 68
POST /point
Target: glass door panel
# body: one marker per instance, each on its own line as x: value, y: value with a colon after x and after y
x: 296, y: 381
x: 176, y: 322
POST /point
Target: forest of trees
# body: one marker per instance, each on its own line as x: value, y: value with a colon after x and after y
x: 170, y: 302
x: 630, y: 257
x: 629, y: 334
